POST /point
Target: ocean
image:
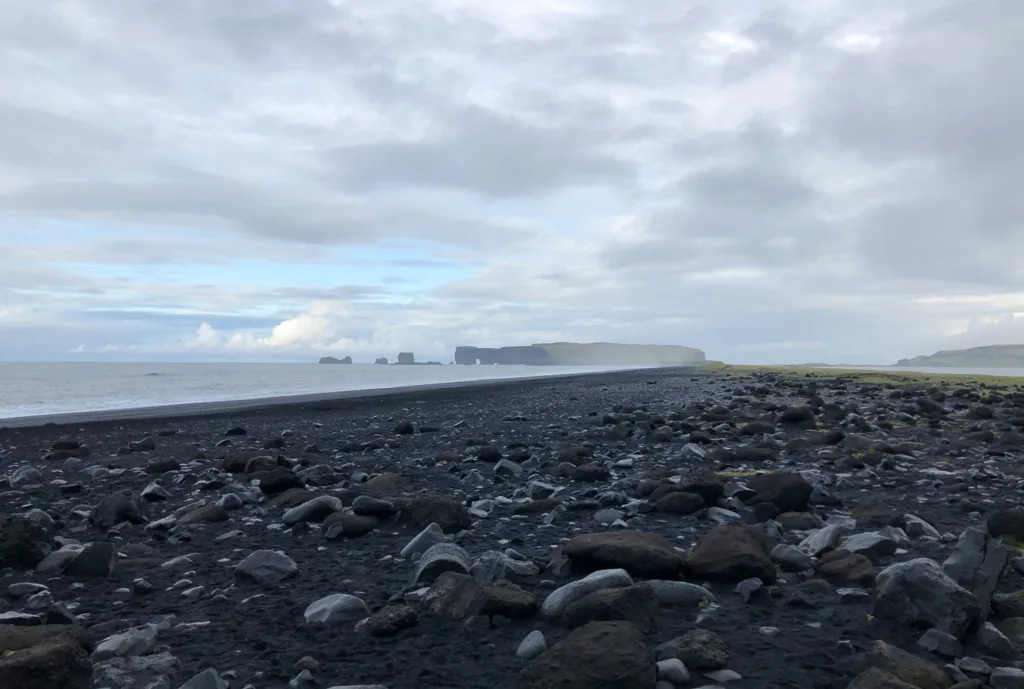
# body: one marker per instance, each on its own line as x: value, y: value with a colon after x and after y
x: 44, y: 389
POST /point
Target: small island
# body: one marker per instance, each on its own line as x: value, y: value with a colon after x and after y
x: 332, y: 360
x: 994, y: 356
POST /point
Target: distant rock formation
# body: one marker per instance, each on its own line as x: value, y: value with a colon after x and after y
x: 332, y: 360
x: 382, y: 361
x: 576, y: 354
x: 406, y: 358
x: 995, y: 356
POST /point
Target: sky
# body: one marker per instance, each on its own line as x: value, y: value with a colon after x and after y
x: 277, y: 180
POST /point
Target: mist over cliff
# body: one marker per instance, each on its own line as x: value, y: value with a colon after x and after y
x: 580, y: 354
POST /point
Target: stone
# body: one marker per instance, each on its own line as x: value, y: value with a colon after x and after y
x: 908, y: 667
x: 348, y: 525
x: 279, y: 480
x: 123, y: 506
x: 636, y: 604
x: 59, y: 662
x: 679, y: 593
x: 559, y: 599
x: 368, y: 506
x: 132, y: 642
x: 267, y: 567
x: 207, y: 513
x: 207, y: 679
x: 639, y: 553
x: 23, y: 543
x: 390, y: 620
x: 430, y: 536
x: 1006, y: 678
x: 315, y: 510
x: 873, y: 678
x: 680, y: 503
x: 791, y: 558
x: 459, y: 597
x: 994, y: 642
x: 532, y: 645
x: 448, y: 513
x: 871, y: 544
x: 673, y: 670
x: 919, y: 528
x: 788, y: 492
x: 336, y: 608
x: 96, y: 560
x: 599, y: 655
x: 701, y: 650
x: 1008, y: 522
x: 941, y: 643
x: 917, y: 592
x: 440, y: 558
x: 731, y: 553
x: 842, y: 568
x: 976, y: 563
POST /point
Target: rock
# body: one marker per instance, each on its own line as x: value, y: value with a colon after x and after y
x: 315, y: 510
x: 680, y: 503
x: 367, y: 506
x: 871, y: 544
x: 679, y: 593
x: 559, y: 599
x: 827, y: 537
x: 390, y: 620
x: 701, y: 650
x: 440, y: 558
x: 908, y: 667
x: 673, y: 671
x: 132, y: 642
x: 123, y: 506
x: 96, y: 560
x: 639, y: 553
x: 873, y: 678
x: 336, y: 608
x: 600, y: 655
x: 347, y: 525
x: 162, y: 466
x: 788, y: 492
x: 292, y: 497
x: 791, y: 558
x: 23, y: 543
x: 207, y: 679
x: 267, y: 567
x: 917, y: 592
x: 206, y: 513
x: 450, y: 514
x: 279, y: 480
x: 976, y: 563
x: 1006, y: 678
x: 636, y: 604
x: 459, y: 597
x: 532, y: 646
x: 842, y: 567
x: 731, y: 553
x: 919, y: 528
x: 994, y: 642
x: 58, y: 662
x: 941, y: 643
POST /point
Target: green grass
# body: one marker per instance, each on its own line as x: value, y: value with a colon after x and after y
x: 882, y: 377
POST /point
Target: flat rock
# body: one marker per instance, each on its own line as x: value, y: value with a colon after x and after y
x: 917, y: 592
x: 731, y: 553
x: 599, y: 655
x: 267, y: 567
x: 640, y: 553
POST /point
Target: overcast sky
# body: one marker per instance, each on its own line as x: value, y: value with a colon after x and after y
x: 771, y: 181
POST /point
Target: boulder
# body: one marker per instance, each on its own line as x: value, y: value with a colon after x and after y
x: 123, y: 506
x: 731, y: 553
x: 315, y: 510
x: 440, y: 558
x: 450, y: 514
x: 680, y: 502
x: 701, y: 650
x: 636, y: 604
x: 559, y: 599
x: 96, y: 560
x: 640, y: 553
x: 908, y: 667
x: 279, y: 480
x: 788, y: 492
x: 918, y: 593
x: 58, y: 662
x: 458, y: 597
x: 23, y: 543
x: 599, y: 655
x: 873, y: 678
x: 267, y: 567
x: 976, y: 564
x: 845, y: 568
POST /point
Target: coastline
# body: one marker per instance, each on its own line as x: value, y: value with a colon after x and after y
x: 289, y: 403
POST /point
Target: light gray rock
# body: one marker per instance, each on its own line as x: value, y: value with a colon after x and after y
x: 315, y: 510
x: 532, y: 646
x: 827, y: 537
x: 976, y: 564
x: 915, y: 527
x: 940, y: 642
x: 441, y: 558
x: 133, y: 642
x: 267, y: 567
x: 918, y: 592
x: 679, y: 593
x: 430, y: 536
x: 1006, y: 678
x: 557, y: 601
x: 994, y: 642
x: 57, y: 561
x: 25, y: 474
x: 673, y: 670
x: 338, y: 607
x: 791, y: 558
x: 872, y: 544
x: 207, y: 679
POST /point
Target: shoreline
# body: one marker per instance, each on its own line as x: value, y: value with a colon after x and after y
x: 282, y: 403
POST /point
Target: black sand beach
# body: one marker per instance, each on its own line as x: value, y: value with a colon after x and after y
x: 772, y: 512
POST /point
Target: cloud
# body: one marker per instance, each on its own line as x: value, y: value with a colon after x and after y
x: 764, y: 180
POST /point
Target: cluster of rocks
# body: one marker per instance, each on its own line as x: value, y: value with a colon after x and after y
x: 635, y: 530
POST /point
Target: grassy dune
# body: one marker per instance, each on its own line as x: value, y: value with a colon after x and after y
x: 894, y: 377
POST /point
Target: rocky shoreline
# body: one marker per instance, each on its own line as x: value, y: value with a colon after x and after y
x: 625, y: 530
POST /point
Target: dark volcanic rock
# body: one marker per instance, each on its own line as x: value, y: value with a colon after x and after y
x: 639, y: 553
x: 123, y: 506
x: 732, y: 553
x: 459, y: 597
x: 391, y: 620
x: 59, y: 662
x: 1009, y: 522
x: 420, y: 512
x: 23, y: 543
x: 679, y: 502
x: 96, y: 560
x: 635, y: 604
x: 279, y: 480
x: 788, y: 492
x: 600, y: 655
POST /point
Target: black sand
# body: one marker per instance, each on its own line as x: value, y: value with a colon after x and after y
x: 257, y: 634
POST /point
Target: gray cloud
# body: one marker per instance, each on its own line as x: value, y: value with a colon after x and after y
x: 769, y: 180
